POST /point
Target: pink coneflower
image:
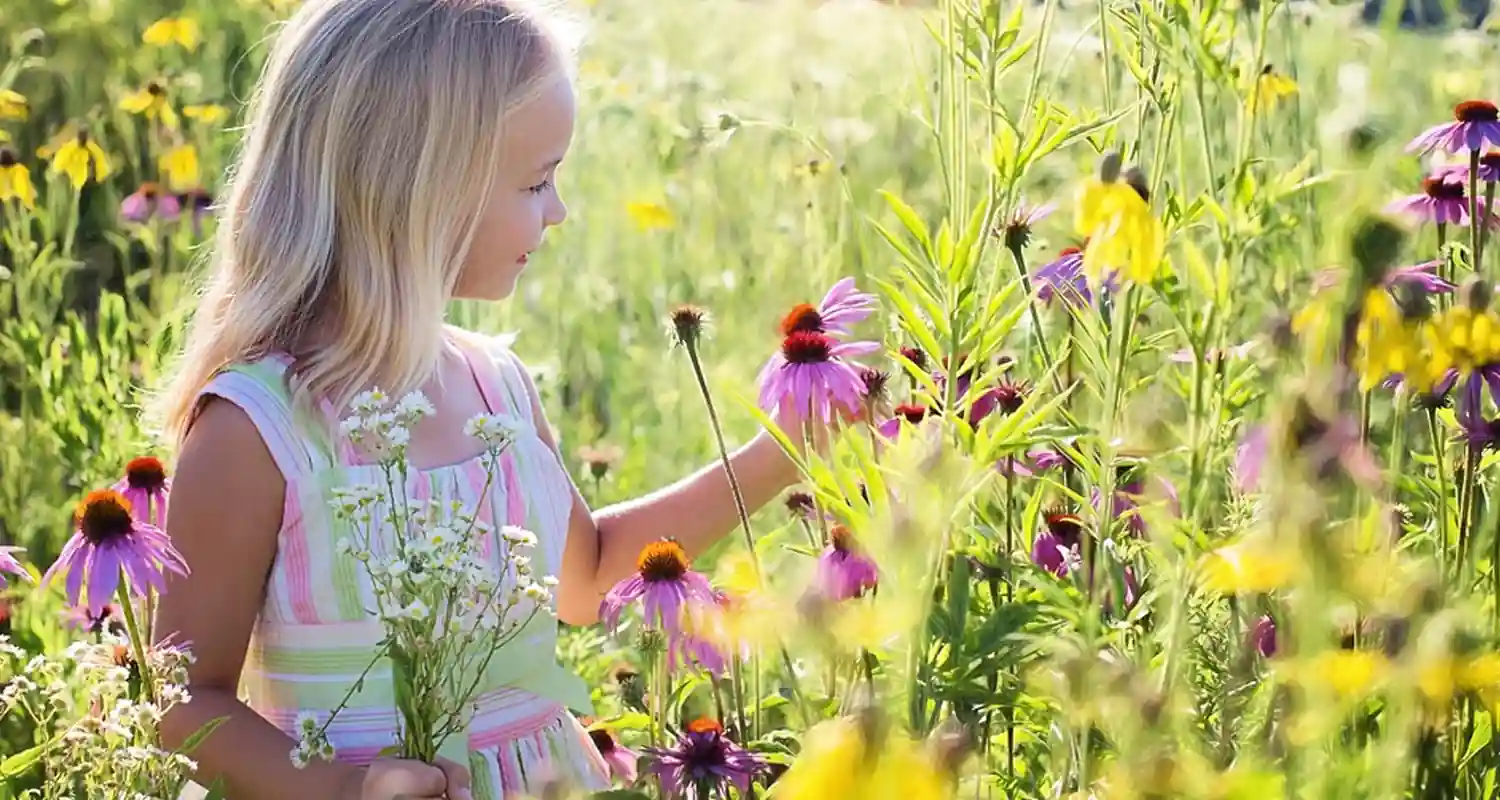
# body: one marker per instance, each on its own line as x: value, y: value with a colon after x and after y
x: 705, y: 761
x: 664, y: 584
x: 1033, y: 463
x: 844, y: 572
x: 687, y: 650
x: 1007, y: 397
x: 1016, y: 231
x: 1263, y: 636
x: 146, y: 487
x: 808, y: 375
x: 1489, y: 169
x: 1250, y: 457
x: 150, y: 201
x: 9, y: 563
x: 842, y: 308
x: 619, y: 759
x: 1055, y: 549
x: 108, y: 540
x: 1064, y: 276
x: 911, y: 413
x: 1475, y: 126
x: 1441, y: 202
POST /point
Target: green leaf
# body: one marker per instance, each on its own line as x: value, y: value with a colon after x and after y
x: 1484, y: 730
x: 629, y: 721
x: 201, y: 734
x: 914, y: 224
x: 23, y: 762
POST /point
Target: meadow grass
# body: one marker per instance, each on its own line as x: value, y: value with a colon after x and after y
x: 741, y: 156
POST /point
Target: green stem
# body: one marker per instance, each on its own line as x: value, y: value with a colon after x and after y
x: 1442, y: 479
x: 138, y: 644
x: 734, y: 484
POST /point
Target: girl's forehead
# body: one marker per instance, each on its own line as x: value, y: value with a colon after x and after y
x: 540, y: 130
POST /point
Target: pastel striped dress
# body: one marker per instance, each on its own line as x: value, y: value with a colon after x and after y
x: 315, y: 636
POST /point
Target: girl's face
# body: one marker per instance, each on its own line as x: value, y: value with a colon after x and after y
x: 523, y: 202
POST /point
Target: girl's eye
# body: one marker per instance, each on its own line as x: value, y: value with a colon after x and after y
x: 541, y: 187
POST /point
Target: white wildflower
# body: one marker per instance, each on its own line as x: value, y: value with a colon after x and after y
x: 307, y: 723
x: 370, y: 402
x: 518, y: 537
x: 493, y: 428
x: 300, y: 757
x: 416, y: 610
x: 536, y: 593
x: 414, y: 406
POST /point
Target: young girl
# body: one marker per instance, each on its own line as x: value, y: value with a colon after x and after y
x: 399, y: 154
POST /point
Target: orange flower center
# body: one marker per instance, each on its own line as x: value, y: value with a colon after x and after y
x: 1476, y: 111
x: 802, y: 317
x: 1064, y: 525
x: 842, y: 538
x: 911, y: 413
x: 146, y: 472
x: 1069, y: 251
x: 705, y: 725
x: 1490, y: 159
x: 662, y: 561
x: 104, y: 515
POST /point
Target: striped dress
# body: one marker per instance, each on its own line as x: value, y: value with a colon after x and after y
x: 315, y: 634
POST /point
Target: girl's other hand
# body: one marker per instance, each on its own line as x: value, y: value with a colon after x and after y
x: 400, y: 779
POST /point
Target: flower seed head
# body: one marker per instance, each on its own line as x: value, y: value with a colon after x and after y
x: 801, y: 505
x: 916, y: 356
x: 802, y: 317
x: 1136, y: 179
x: 1477, y: 293
x: 687, y: 325
x: 7, y: 158
x: 807, y: 347
x: 1109, y: 166
x: 146, y: 473
x: 1476, y: 111
x: 662, y: 560
x: 104, y: 516
x: 875, y: 382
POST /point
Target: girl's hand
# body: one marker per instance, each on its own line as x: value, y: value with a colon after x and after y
x: 400, y: 779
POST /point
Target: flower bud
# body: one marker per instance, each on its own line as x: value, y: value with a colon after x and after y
x: 1374, y: 246
x: 1477, y: 293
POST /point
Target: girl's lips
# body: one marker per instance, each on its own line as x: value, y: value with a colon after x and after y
x: 523, y: 258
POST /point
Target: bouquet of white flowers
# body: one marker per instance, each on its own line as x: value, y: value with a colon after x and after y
x: 446, y: 609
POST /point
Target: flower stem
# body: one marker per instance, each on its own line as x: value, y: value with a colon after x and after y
x: 1442, y: 479
x: 1474, y: 218
x: 734, y: 483
x: 136, y: 642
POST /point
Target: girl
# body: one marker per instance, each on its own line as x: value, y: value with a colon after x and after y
x: 399, y: 154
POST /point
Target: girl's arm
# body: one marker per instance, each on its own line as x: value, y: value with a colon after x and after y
x: 224, y: 518
x: 697, y: 511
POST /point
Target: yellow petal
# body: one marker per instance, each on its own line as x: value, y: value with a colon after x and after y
x: 209, y: 114
x: 137, y: 102
x: 180, y: 166
x: 13, y: 105
x: 101, y: 161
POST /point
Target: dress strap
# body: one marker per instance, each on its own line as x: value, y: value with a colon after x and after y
x: 260, y: 390
x: 494, y: 368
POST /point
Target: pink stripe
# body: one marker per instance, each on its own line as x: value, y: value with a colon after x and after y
x: 510, y: 774
x: 514, y: 729
x: 515, y: 500
x: 296, y: 564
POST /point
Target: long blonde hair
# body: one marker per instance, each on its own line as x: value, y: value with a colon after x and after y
x: 371, y: 143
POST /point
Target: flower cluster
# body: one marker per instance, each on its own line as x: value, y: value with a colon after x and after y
x: 449, y: 588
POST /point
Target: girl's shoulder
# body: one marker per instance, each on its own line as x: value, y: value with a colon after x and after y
x: 496, y: 349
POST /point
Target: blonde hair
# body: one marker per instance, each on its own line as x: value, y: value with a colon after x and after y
x: 372, y: 140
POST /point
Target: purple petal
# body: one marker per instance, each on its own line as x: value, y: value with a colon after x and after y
x: 1250, y: 458
x: 103, y: 577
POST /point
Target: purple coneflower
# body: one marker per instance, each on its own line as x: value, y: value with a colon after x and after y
x: 146, y: 486
x: 1489, y: 169
x: 844, y: 571
x: 1423, y: 276
x: 705, y: 760
x: 1478, y: 432
x: 1475, y: 126
x: 9, y: 563
x: 1033, y: 463
x: 1063, y: 276
x: 911, y: 413
x: 1130, y: 489
x: 108, y: 540
x: 664, y: 584
x: 618, y: 759
x: 200, y: 204
x: 1056, y: 548
x: 687, y: 649
x: 1441, y: 202
x: 1007, y: 397
x: 1263, y: 636
x: 842, y: 308
x: 1016, y: 230
x: 147, y: 201
x: 808, y: 375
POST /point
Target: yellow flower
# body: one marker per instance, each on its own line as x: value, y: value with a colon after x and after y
x: 835, y: 762
x: 650, y: 216
x: 208, y: 114
x: 15, y: 180
x: 1121, y: 232
x: 1388, y: 345
x: 179, y: 166
x: 75, y: 157
x: 1466, y: 337
x: 1349, y: 673
x: 151, y: 101
x: 13, y: 105
x: 1245, y: 568
x: 1270, y: 87
x: 182, y: 30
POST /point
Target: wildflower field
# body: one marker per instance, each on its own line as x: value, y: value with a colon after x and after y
x: 1169, y: 324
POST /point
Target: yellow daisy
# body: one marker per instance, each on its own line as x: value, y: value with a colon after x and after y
x: 76, y: 156
x: 1269, y: 88
x: 208, y: 114
x: 180, y: 30
x: 151, y: 101
x: 13, y: 105
x: 650, y: 216
x: 1115, y: 218
x: 15, y: 180
x: 836, y: 761
x: 179, y: 167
